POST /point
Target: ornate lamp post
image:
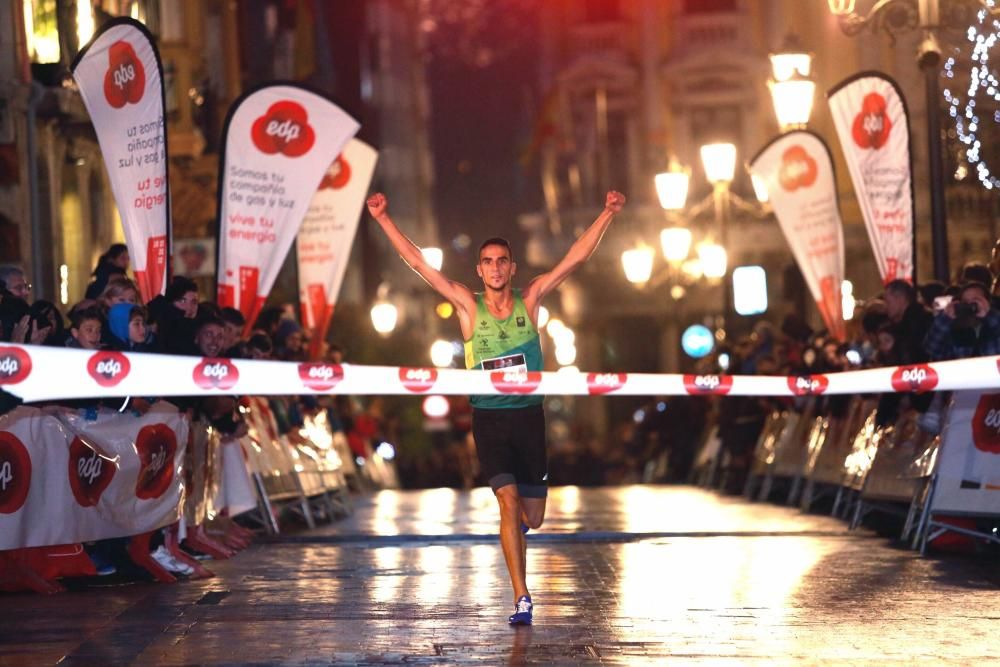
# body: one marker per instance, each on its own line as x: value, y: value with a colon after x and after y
x: 930, y: 16
x: 792, y: 91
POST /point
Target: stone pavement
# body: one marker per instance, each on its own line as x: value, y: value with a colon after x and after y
x: 626, y: 575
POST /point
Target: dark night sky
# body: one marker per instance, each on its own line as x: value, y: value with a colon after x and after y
x: 482, y: 117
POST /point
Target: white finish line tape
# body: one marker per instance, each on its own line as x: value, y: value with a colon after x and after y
x: 36, y: 373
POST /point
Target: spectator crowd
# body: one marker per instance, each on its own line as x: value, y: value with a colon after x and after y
x: 903, y: 325
x: 178, y: 322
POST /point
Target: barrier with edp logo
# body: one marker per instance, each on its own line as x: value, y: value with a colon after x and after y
x: 66, y: 479
x: 30, y: 372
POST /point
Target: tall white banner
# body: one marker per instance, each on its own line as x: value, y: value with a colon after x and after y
x: 327, y: 233
x: 798, y: 171
x: 870, y: 115
x: 969, y: 459
x: 279, y: 141
x: 121, y: 81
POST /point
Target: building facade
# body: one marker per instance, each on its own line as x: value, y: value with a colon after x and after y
x: 632, y: 85
x: 57, y: 213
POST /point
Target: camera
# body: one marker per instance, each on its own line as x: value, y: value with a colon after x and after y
x: 965, y: 311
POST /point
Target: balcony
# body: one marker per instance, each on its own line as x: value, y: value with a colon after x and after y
x: 599, y: 40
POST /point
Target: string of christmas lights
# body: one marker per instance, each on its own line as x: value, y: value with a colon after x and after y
x: 983, y: 37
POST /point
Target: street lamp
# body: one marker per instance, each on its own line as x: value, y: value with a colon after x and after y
x: 434, y: 256
x: 896, y: 16
x: 792, y: 91
x: 672, y: 188
x: 638, y: 264
x: 719, y: 161
x: 384, y: 317
x: 675, y: 243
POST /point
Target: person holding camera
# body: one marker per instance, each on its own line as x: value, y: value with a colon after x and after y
x: 968, y: 326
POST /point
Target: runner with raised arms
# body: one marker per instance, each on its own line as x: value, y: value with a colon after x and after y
x: 500, y: 330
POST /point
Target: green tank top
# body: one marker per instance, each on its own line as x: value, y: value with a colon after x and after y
x: 503, y: 345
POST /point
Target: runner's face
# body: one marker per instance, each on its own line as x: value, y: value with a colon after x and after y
x: 495, y: 267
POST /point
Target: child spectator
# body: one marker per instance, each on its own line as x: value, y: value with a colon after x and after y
x: 129, y: 328
x: 119, y: 290
x: 232, y: 341
x: 85, y: 331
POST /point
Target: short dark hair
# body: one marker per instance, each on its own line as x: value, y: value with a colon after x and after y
x: 81, y: 315
x: 180, y: 286
x: 902, y: 288
x: 495, y: 240
x: 208, y: 321
x: 931, y: 290
x: 138, y: 311
x: 976, y: 272
x: 973, y: 284
x: 232, y: 316
x: 260, y: 342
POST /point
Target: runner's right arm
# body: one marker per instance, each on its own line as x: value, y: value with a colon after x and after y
x: 458, y: 294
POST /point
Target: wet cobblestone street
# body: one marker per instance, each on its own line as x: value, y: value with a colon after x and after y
x: 619, y: 576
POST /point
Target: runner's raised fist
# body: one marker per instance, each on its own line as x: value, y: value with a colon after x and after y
x: 377, y: 204
x: 615, y: 201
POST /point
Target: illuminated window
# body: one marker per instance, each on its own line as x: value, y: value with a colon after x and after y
x: 42, y: 30
x: 750, y: 290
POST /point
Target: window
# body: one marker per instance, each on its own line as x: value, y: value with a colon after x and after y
x: 713, y: 124
x: 601, y: 11
x: 42, y: 30
x: 709, y: 6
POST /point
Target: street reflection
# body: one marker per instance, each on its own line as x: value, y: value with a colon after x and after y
x: 386, y: 513
x: 520, y: 643
x: 485, y: 559
x: 436, y: 575
x: 436, y: 512
x: 742, y: 577
x: 387, y: 579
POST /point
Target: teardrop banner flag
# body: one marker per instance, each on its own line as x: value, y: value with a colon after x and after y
x: 327, y: 233
x: 121, y: 81
x: 798, y: 171
x: 869, y: 112
x: 279, y: 140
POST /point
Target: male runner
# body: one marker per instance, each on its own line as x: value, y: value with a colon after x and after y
x: 500, y: 330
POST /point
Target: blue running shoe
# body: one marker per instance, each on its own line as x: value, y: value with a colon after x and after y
x: 522, y: 611
x: 524, y: 528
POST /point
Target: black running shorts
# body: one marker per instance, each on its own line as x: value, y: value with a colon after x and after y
x: 511, y: 448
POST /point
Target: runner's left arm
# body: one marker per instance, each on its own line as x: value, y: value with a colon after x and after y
x: 579, y: 252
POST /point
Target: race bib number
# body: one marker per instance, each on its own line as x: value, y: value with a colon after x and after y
x: 512, y: 362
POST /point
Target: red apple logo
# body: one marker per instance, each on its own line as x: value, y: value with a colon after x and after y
x: 599, y: 384
x: 108, y: 368
x: 698, y: 385
x: 986, y: 424
x: 15, y: 365
x: 872, y: 125
x: 125, y: 80
x: 15, y: 473
x: 321, y: 377
x: 284, y: 129
x: 798, y: 169
x: 516, y: 381
x: 418, y: 380
x: 156, y: 445
x: 89, y: 473
x: 919, y: 378
x: 215, y: 374
x: 808, y: 385
x: 337, y: 176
